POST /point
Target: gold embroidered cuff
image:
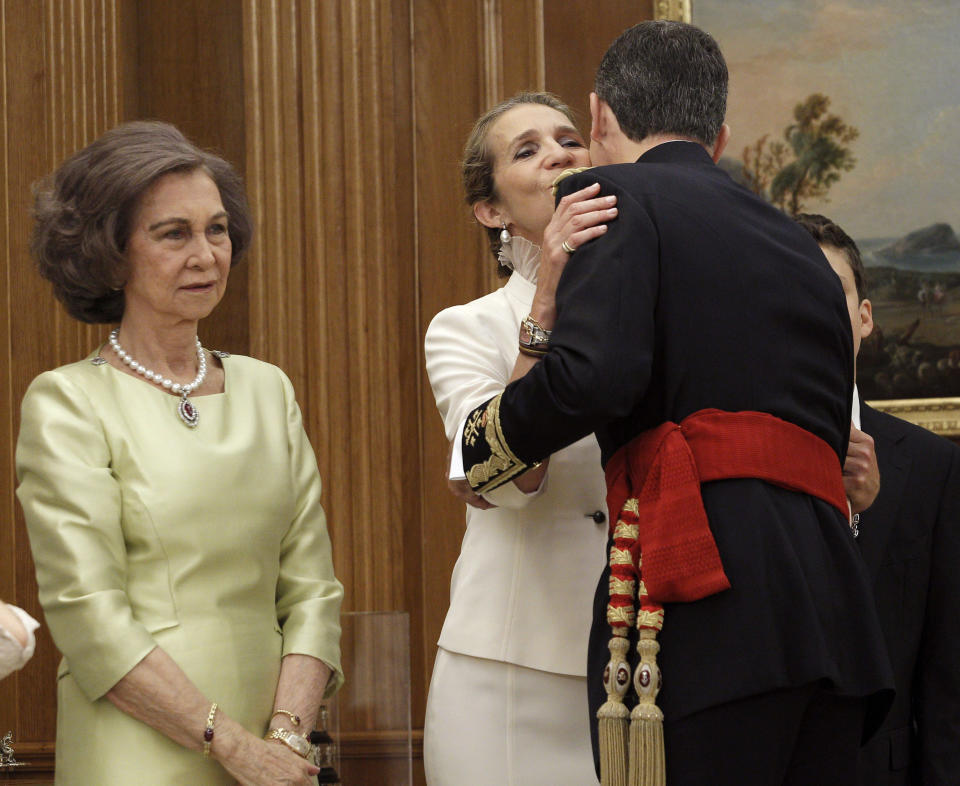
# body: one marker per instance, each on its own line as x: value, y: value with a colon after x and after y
x: 565, y: 174
x: 493, y: 462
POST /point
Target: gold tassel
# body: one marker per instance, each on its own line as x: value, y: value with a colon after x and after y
x: 647, y: 760
x: 613, y: 716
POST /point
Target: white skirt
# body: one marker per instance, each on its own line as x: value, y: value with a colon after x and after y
x: 489, y: 722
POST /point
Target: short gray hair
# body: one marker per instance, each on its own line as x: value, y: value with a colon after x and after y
x: 82, y: 212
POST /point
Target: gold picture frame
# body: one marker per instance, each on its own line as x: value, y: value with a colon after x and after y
x: 672, y: 10
x: 938, y: 414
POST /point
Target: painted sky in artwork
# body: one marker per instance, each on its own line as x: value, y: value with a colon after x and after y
x: 890, y: 68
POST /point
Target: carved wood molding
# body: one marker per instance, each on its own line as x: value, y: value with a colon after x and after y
x: 939, y: 415
x: 34, y: 756
x: 332, y: 273
x: 82, y: 100
x: 366, y: 745
x: 512, y: 57
x: 274, y: 174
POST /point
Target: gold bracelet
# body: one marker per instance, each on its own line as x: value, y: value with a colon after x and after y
x: 208, y: 732
x: 294, y: 719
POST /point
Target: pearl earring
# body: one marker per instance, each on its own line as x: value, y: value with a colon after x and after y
x: 505, y: 236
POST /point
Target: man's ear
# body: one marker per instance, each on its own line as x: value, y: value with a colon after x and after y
x: 866, y: 318
x: 721, y: 143
x: 489, y: 215
x: 598, y: 124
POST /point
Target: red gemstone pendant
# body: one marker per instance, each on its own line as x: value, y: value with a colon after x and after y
x: 188, y: 413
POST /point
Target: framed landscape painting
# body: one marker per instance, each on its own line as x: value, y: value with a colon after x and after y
x: 851, y: 108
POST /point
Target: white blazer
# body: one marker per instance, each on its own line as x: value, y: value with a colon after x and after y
x: 522, y: 589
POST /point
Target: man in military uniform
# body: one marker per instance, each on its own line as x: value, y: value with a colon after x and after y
x: 695, y: 340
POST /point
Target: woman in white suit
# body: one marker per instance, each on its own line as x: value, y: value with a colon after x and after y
x: 507, y: 701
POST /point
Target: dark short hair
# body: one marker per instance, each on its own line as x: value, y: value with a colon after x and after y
x: 476, y: 167
x: 827, y: 233
x: 665, y: 78
x: 83, y: 212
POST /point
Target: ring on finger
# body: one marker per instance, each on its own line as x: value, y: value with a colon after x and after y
x: 567, y: 247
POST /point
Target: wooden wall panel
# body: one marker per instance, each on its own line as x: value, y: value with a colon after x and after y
x: 497, y: 53
x: 512, y: 49
x: 9, y: 695
x: 326, y: 148
x: 347, y: 119
x: 332, y: 286
x: 274, y: 166
x: 183, y: 63
x: 449, y: 254
x: 59, y: 90
x: 576, y: 34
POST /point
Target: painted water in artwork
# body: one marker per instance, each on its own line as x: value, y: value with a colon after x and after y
x: 851, y: 108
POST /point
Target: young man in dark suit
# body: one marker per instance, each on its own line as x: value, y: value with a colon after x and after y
x: 910, y: 540
x: 702, y: 297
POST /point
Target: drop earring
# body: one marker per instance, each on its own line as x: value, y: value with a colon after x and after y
x: 505, y: 236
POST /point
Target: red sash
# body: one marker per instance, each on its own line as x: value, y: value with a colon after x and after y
x: 664, y: 467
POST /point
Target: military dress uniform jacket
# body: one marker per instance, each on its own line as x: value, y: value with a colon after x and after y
x: 702, y: 295
x: 910, y: 539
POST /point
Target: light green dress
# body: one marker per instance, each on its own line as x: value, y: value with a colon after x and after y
x: 209, y: 542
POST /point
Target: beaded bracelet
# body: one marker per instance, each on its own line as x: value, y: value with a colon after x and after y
x: 208, y: 732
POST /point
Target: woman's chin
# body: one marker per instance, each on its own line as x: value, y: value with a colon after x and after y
x: 194, y: 313
x: 203, y: 306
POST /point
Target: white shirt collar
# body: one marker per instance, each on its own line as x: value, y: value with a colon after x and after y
x: 855, y: 410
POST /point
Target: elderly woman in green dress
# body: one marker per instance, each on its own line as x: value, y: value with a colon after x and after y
x: 171, y: 495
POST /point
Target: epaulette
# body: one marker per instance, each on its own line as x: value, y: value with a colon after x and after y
x: 567, y: 173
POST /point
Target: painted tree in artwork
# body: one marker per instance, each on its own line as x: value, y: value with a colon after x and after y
x: 810, y: 159
x: 761, y: 162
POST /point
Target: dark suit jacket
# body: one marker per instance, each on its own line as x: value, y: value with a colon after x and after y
x: 910, y: 539
x: 702, y: 295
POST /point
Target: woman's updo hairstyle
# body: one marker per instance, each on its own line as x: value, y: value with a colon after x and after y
x: 476, y: 168
x: 83, y: 212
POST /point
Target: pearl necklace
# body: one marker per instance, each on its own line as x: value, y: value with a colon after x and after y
x: 186, y: 410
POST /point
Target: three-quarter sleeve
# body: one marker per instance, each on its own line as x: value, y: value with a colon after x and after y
x: 71, y: 502
x: 466, y: 367
x: 308, y: 593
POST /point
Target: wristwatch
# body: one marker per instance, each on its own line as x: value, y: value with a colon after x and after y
x: 534, y: 339
x: 299, y: 745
